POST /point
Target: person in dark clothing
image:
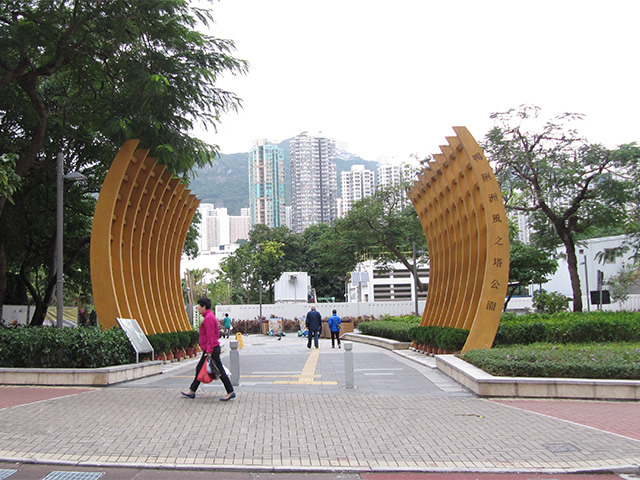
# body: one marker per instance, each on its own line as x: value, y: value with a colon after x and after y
x: 313, y: 324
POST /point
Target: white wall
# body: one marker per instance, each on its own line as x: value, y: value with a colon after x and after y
x: 588, y: 267
x: 295, y: 310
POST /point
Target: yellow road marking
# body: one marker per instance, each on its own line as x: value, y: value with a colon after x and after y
x: 306, y: 377
x: 308, y: 374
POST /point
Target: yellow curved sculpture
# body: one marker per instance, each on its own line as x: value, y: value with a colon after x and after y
x: 141, y: 221
x: 461, y: 210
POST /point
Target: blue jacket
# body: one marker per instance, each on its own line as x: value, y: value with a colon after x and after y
x: 334, y: 323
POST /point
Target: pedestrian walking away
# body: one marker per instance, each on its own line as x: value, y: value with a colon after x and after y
x: 226, y: 322
x: 210, y: 345
x: 334, y: 326
x: 313, y: 324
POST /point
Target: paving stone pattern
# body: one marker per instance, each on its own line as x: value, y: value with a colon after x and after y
x: 403, y: 416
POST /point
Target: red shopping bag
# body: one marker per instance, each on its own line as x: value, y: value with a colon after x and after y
x: 203, y: 375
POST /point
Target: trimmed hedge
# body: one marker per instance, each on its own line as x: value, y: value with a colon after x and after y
x: 50, y: 347
x: 568, y: 327
x: 592, y: 360
x: 395, y: 328
x: 444, y: 338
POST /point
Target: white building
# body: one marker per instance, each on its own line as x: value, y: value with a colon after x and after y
x: 393, y: 174
x: 590, y: 262
x: 314, y: 187
x: 358, y: 183
x: 292, y: 287
x: 370, y: 283
x: 288, y: 212
x: 521, y: 219
x: 239, y: 227
x: 218, y: 229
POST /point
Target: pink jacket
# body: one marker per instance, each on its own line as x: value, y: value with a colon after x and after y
x: 209, y: 332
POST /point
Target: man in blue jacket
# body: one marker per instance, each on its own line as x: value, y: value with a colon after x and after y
x: 334, y: 326
x: 313, y: 324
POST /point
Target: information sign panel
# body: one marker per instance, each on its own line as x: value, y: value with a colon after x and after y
x: 136, y: 336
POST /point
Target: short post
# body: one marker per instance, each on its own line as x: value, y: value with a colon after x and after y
x: 348, y: 364
x: 234, y: 362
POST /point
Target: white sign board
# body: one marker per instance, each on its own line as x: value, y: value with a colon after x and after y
x: 136, y: 336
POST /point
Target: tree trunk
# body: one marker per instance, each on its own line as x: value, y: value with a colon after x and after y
x: 572, y: 262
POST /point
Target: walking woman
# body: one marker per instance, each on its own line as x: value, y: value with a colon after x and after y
x: 210, y: 345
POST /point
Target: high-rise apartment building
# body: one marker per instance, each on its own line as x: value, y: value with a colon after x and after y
x: 239, y: 227
x: 392, y: 174
x: 218, y: 228
x: 314, y: 185
x: 358, y: 183
x: 266, y: 184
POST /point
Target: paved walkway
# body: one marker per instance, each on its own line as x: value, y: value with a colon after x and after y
x: 402, y: 416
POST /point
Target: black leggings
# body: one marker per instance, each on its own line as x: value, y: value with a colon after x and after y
x: 223, y: 374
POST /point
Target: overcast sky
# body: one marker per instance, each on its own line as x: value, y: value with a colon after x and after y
x: 390, y: 78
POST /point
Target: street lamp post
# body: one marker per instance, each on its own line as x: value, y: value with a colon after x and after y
x: 74, y: 177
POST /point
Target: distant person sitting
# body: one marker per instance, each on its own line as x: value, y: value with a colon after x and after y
x: 334, y: 326
x: 313, y: 324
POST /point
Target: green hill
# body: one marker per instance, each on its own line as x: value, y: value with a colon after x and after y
x: 226, y: 182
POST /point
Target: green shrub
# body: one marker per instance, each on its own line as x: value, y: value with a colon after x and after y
x: 446, y: 338
x: 159, y: 343
x: 387, y: 329
x: 50, y: 347
x: 246, y: 326
x: 550, y: 302
x: 568, y: 327
x: 602, y: 361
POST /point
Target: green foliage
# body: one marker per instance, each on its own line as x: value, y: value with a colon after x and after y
x: 159, y: 343
x: 81, y: 78
x: 406, y: 328
x: 49, y: 347
x: 528, y: 264
x: 608, y: 361
x: 445, y: 338
x: 620, y: 283
x: 384, y: 226
x: 550, y: 302
x: 246, y: 326
x: 568, y: 185
x: 393, y: 329
x: 562, y: 328
x: 166, y: 342
x: 9, y: 179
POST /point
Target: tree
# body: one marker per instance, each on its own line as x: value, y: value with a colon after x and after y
x: 82, y: 76
x: 383, y: 226
x: 528, y: 265
x: 553, y: 171
x: 621, y: 283
x: 329, y: 257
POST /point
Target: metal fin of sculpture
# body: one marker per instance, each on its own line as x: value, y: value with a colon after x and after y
x: 462, y: 212
x: 139, y: 227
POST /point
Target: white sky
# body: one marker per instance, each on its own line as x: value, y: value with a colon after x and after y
x: 391, y: 77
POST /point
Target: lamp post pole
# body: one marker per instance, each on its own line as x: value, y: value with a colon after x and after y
x: 415, y: 279
x: 59, y: 252
x: 73, y: 177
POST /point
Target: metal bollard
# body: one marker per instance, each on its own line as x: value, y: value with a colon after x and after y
x: 234, y: 362
x: 348, y: 365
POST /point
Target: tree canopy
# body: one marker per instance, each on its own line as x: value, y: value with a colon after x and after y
x: 552, y: 172
x: 82, y: 76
